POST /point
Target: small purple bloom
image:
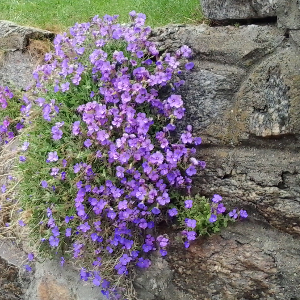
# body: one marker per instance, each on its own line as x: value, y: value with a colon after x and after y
x: 221, y: 208
x: 21, y: 223
x: 53, y: 241
x: 52, y: 156
x: 62, y: 261
x: 191, y: 170
x: 216, y: 198
x: 28, y: 268
x: 188, y: 203
x: 213, y: 218
x: 68, y: 232
x: 243, y: 214
x: 190, y: 223
x: 172, y: 212
x: 44, y: 184
x: 87, y: 143
x: 233, y: 214
x: 22, y: 158
x: 189, y: 66
x: 155, y: 211
x: 30, y: 256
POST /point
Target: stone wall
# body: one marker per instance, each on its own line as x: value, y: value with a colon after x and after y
x: 243, y: 99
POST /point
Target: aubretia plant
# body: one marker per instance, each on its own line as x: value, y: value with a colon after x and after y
x: 102, y: 159
x: 201, y: 216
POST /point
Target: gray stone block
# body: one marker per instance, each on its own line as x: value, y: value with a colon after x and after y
x: 238, y: 9
x: 288, y: 14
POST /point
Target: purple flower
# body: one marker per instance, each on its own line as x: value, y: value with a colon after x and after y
x: 233, y: 214
x: 84, y: 227
x: 125, y: 259
x: 53, y: 241
x: 187, y: 138
x: 197, y: 141
x: 190, y: 223
x: 30, y: 256
x: 172, y: 212
x: 21, y: 223
x: 188, y: 203
x: 84, y: 275
x: 189, y: 66
x: 76, y: 128
x: 175, y: 101
x: 156, y: 158
x: 191, y: 170
x: 68, y: 232
x: 221, y: 208
x: 191, y: 235
x: 243, y: 214
x: 213, y: 218
x: 28, y: 268
x: 186, y: 244
x: 216, y: 198
x: 22, y: 158
x: 56, y: 133
x: 62, y: 261
x: 52, y: 156
x: 25, y: 146
x: 65, y: 86
x: 44, y: 184
x: 155, y: 211
x: 87, y: 143
x: 3, y: 188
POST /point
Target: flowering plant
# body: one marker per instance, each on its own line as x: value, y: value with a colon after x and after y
x: 103, y: 158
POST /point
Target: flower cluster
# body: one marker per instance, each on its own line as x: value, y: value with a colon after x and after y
x: 201, y: 216
x: 104, y: 161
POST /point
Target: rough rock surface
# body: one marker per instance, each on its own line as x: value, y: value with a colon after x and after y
x: 16, y: 62
x: 288, y: 14
x: 242, y: 98
x: 238, y: 9
x: 247, y: 261
x: 15, y: 37
x: 252, y: 104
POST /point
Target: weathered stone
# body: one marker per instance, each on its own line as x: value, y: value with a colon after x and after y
x: 295, y: 35
x: 288, y: 14
x: 262, y: 177
x: 16, y: 69
x: 50, y: 289
x: 16, y: 37
x: 247, y: 261
x: 268, y: 103
x: 242, y: 46
x: 155, y: 283
x: 224, y: 59
x: 238, y: 9
x: 51, y: 281
x: 10, y: 287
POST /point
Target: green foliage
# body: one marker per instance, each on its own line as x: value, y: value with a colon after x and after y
x: 201, y: 212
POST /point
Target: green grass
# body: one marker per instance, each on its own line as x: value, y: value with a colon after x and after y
x: 57, y: 15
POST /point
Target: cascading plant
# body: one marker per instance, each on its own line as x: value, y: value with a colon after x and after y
x: 103, y: 160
